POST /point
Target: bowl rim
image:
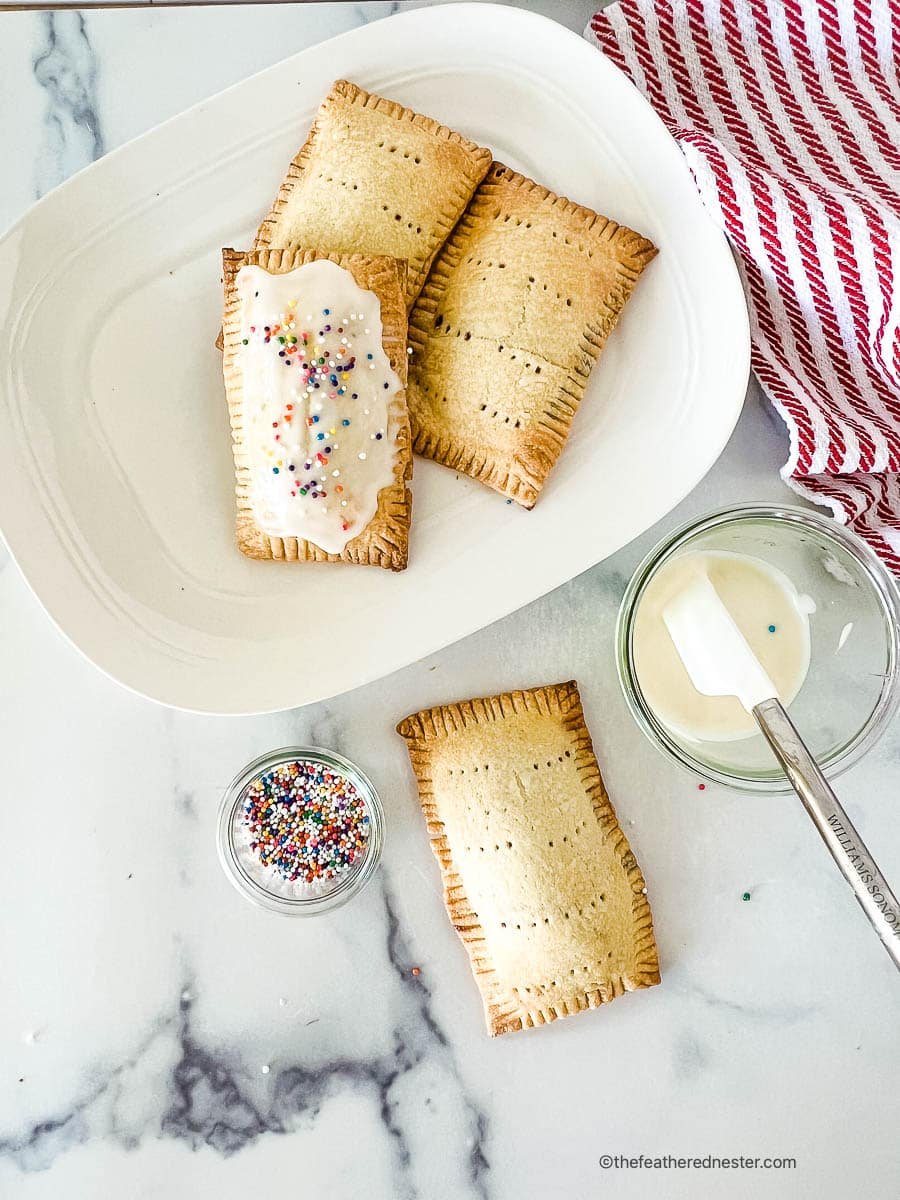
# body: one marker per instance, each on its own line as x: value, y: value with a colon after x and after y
x: 883, y: 584
x: 346, y: 887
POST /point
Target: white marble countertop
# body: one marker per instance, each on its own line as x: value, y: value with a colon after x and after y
x: 159, y: 1038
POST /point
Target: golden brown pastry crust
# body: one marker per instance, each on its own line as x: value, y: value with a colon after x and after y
x: 539, y: 880
x: 385, y: 540
x: 512, y: 317
x: 375, y: 177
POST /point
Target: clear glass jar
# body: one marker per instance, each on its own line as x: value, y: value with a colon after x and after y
x: 851, y: 690
x: 263, y: 885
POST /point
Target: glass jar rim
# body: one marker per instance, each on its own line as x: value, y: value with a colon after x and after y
x: 346, y: 886
x: 883, y: 585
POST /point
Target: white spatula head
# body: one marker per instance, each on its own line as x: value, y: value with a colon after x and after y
x: 714, y: 651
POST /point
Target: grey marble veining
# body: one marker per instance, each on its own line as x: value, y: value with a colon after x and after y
x: 374, y: 12
x: 161, y: 1040
x: 65, y: 67
x: 177, y: 1084
x: 211, y: 1105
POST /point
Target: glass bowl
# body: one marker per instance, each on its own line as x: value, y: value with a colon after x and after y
x: 851, y: 690
x: 263, y: 884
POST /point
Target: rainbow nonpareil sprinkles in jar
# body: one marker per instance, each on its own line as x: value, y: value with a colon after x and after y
x: 300, y: 830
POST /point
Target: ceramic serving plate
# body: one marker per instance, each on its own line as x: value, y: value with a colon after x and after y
x: 116, y: 487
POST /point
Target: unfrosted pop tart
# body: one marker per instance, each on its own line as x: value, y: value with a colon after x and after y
x: 513, y: 316
x: 539, y: 879
x: 377, y: 177
x: 374, y: 177
x: 315, y: 371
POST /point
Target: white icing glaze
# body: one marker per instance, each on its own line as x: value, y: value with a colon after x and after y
x: 319, y: 436
x: 772, y: 618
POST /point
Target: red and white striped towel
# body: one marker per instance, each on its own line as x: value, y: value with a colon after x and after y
x: 788, y: 112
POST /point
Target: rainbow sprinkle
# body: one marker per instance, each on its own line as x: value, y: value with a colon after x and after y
x: 322, y: 365
x: 306, y: 821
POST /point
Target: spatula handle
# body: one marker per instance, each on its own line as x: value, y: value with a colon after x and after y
x: 847, y: 848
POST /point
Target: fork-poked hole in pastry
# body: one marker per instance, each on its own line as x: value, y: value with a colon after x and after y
x: 406, y: 154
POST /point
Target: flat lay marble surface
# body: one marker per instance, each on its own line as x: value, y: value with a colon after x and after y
x: 159, y: 1038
